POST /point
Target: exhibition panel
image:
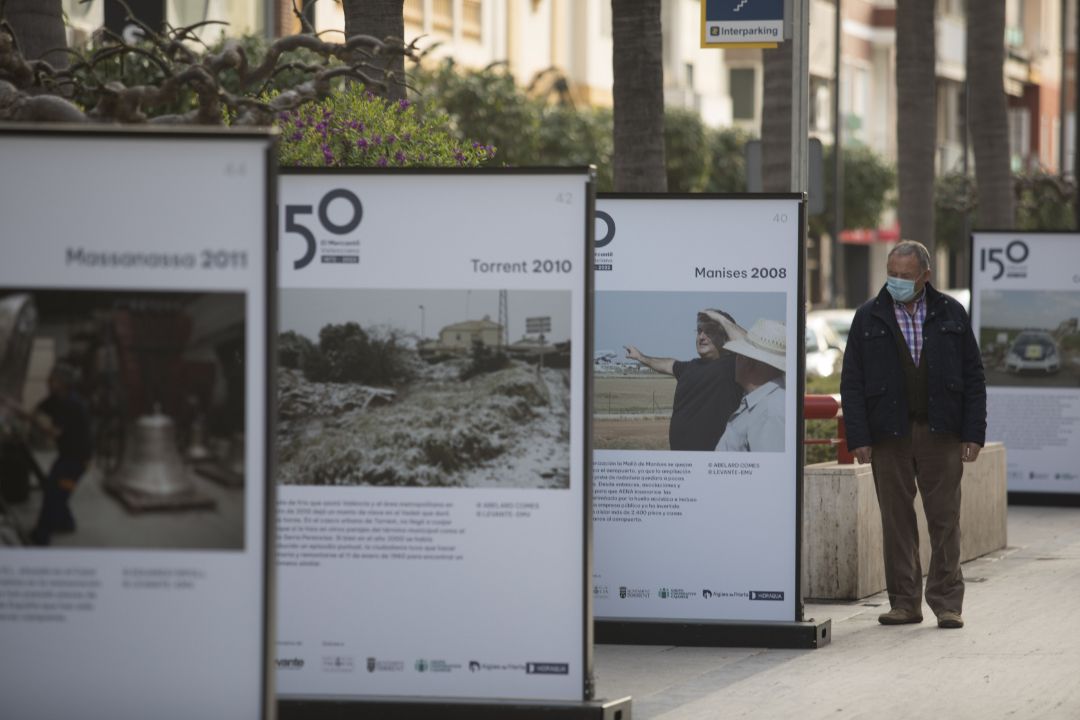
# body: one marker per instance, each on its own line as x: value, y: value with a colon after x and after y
x: 433, y: 479
x: 698, y: 382
x: 135, y: 298
x: 1025, y: 310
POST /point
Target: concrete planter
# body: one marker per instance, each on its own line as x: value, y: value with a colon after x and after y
x: 842, y: 556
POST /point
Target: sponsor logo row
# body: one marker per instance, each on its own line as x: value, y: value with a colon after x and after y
x: 347, y: 664
x: 602, y: 592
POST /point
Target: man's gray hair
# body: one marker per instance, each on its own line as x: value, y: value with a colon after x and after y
x: 912, y: 247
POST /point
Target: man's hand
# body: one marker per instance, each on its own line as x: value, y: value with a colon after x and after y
x: 969, y: 451
x: 863, y: 454
x: 633, y: 353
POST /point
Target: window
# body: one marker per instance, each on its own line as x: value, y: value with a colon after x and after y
x: 741, y: 86
x: 820, y: 104
x: 472, y: 12
x: 413, y: 12
x: 443, y: 16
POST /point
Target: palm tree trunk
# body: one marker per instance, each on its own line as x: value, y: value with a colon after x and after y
x: 381, y: 19
x: 916, y: 118
x: 776, y: 150
x: 988, y: 120
x: 638, y: 91
x: 39, y: 29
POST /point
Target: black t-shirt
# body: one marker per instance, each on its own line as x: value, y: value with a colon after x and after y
x: 71, y: 418
x: 705, y: 396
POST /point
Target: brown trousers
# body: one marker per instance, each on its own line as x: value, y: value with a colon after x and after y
x: 932, y: 462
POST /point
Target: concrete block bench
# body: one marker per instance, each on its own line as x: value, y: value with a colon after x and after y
x: 841, y: 550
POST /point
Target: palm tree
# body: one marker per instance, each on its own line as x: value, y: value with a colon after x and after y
x: 381, y: 19
x: 638, y: 91
x: 39, y: 29
x: 776, y: 147
x: 916, y: 118
x: 987, y: 118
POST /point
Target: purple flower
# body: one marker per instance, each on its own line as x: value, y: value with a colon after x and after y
x: 362, y: 144
x: 297, y: 136
x: 403, y: 104
x: 368, y: 95
x: 360, y: 126
x: 391, y: 139
x: 376, y: 139
x: 327, y: 113
x: 399, y: 157
x: 283, y: 116
x: 382, y: 161
x: 354, y: 124
x: 407, y: 137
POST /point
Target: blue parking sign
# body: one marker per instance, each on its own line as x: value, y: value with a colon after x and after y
x: 742, y: 21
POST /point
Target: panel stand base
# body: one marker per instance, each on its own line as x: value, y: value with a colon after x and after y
x: 1045, y: 499
x: 378, y: 708
x: 807, y: 635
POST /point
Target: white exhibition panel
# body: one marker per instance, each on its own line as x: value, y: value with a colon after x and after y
x: 467, y: 583
x: 1025, y: 309
x: 165, y: 631
x: 690, y: 534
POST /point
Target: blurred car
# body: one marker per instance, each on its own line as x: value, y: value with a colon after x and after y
x: 1033, y: 351
x: 824, y: 349
x: 837, y: 320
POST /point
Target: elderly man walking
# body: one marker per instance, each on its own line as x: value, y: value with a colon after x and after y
x: 914, y: 401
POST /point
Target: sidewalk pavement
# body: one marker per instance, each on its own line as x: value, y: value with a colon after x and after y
x: 1018, y: 655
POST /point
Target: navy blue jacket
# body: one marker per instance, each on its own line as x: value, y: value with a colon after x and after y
x: 872, y: 383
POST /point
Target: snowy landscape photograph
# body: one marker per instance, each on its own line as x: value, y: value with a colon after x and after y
x: 424, y: 388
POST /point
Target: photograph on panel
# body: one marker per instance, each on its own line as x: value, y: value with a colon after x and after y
x: 424, y: 388
x: 690, y: 371
x: 122, y: 419
x: 1030, y: 337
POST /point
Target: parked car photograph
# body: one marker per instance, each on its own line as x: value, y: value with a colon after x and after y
x: 1033, y: 351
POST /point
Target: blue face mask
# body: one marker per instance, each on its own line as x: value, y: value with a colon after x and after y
x: 901, y: 290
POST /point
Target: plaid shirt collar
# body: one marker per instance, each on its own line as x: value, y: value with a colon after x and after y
x: 911, y: 325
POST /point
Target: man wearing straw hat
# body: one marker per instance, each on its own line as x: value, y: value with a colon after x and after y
x: 757, y: 425
x: 914, y: 399
x: 705, y: 387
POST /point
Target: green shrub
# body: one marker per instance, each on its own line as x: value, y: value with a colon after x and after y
x: 727, y: 160
x: 295, y: 351
x: 868, y: 183
x: 482, y: 360
x: 685, y: 151
x: 355, y: 128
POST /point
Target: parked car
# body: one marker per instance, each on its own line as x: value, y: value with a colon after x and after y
x: 1033, y: 351
x: 824, y: 349
x: 838, y: 321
